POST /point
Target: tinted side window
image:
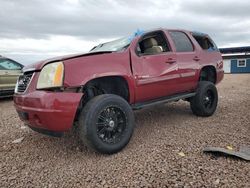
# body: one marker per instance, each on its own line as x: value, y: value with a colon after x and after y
x: 181, y: 41
x: 205, y: 43
x: 6, y: 64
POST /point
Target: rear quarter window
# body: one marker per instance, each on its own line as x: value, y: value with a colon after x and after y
x: 205, y: 42
x: 181, y: 41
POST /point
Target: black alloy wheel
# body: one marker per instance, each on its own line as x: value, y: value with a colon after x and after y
x: 208, y: 99
x: 106, y: 123
x: 111, y: 124
x: 204, y: 103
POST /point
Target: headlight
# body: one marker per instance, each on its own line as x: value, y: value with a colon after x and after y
x: 51, y: 76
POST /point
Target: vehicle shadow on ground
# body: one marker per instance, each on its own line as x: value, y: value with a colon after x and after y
x: 150, y: 118
x: 6, y: 99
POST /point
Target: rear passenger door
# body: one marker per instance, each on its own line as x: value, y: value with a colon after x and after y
x: 187, y: 59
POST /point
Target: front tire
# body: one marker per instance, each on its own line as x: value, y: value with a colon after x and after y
x: 106, y: 123
x: 205, y: 101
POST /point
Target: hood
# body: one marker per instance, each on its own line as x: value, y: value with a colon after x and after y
x: 39, y: 65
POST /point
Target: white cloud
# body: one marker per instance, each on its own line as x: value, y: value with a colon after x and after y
x: 38, y: 49
x: 32, y: 30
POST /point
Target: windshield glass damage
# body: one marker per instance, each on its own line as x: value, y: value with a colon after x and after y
x: 113, y: 46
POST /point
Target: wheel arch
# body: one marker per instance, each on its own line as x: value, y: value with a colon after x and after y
x: 210, y: 74
x: 113, y: 84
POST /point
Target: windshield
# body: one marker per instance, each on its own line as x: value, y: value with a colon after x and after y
x: 113, y: 46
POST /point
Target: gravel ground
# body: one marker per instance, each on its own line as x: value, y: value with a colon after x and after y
x: 150, y: 160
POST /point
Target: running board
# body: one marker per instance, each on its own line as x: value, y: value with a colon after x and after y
x: 161, y: 100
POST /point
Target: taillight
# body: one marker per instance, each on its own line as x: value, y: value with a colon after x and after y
x: 220, y: 65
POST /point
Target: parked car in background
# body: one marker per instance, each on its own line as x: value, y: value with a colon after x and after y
x: 10, y: 70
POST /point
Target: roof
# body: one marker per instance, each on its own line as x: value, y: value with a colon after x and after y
x: 232, y: 50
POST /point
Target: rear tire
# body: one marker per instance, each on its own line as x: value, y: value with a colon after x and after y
x: 205, y: 101
x: 106, y: 123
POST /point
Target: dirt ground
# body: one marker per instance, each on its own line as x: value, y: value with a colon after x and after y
x: 151, y: 158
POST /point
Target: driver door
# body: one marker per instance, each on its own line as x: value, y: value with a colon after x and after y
x: 155, y: 67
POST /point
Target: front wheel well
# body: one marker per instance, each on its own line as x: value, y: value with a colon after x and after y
x: 107, y: 85
x: 208, y: 73
x: 116, y: 85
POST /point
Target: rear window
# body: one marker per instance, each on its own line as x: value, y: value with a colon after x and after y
x: 181, y: 41
x: 205, y: 42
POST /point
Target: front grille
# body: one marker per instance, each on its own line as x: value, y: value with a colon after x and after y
x: 23, y: 82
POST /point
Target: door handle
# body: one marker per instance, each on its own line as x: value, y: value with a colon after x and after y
x: 196, y: 58
x: 171, y: 60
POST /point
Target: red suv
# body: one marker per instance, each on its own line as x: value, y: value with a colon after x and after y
x: 98, y: 91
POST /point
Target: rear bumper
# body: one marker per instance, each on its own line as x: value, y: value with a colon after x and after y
x: 52, y: 111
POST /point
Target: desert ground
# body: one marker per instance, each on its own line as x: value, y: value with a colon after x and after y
x: 151, y: 159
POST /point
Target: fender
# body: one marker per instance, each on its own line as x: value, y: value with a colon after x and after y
x: 81, y: 70
x: 129, y: 79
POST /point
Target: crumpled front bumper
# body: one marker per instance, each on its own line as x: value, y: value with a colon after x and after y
x: 52, y: 111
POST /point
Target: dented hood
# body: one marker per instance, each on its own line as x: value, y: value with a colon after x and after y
x: 39, y: 65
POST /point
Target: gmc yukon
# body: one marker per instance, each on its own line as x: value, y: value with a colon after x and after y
x: 98, y: 91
